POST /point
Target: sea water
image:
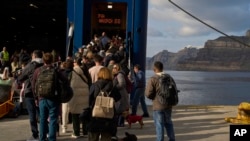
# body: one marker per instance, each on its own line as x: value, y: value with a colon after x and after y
x: 210, y: 88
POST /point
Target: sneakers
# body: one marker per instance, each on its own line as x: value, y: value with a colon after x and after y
x: 64, y: 130
x: 33, y: 139
x: 114, y: 138
x: 75, y: 136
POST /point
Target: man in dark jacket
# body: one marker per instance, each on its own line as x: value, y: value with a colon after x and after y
x: 161, y: 112
x: 26, y: 77
x: 139, y: 89
x: 48, y: 93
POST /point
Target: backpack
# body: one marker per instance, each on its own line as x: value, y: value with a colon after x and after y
x: 129, y: 85
x: 168, y: 94
x: 65, y: 90
x: 46, y: 83
x: 104, y: 106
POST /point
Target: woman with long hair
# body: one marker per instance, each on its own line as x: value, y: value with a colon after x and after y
x: 102, y: 126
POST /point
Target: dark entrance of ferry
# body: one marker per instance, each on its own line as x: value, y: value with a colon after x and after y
x: 110, y: 18
x: 125, y: 18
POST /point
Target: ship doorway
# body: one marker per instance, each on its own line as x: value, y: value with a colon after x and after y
x: 110, y: 18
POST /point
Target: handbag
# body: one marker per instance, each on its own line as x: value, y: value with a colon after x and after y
x: 104, y: 106
x: 85, y: 115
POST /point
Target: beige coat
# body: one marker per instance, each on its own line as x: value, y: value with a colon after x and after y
x: 80, y: 88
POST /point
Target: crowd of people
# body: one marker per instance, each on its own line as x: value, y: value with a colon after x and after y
x: 101, y: 64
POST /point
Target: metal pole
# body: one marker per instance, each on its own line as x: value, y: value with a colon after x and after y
x: 70, y: 34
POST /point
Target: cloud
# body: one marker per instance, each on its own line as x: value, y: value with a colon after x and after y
x: 171, y: 29
x: 228, y: 16
x: 187, y: 31
x: 154, y: 32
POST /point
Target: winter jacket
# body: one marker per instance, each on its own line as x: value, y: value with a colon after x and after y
x: 120, y: 83
x: 102, y: 124
x: 152, y: 91
x: 80, y: 88
x: 139, y: 79
x: 27, y: 74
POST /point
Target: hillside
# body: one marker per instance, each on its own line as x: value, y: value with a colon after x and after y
x: 221, y: 54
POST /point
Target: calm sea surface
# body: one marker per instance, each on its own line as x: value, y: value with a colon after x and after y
x: 210, y: 88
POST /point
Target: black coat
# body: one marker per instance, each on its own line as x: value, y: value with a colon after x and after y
x: 27, y: 75
x: 102, y: 124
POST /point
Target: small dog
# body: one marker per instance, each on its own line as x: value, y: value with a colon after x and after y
x: 129, y: 137
x: 133, y: 119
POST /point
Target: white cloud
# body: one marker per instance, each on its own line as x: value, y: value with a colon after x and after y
x: 154, y: 32
x: 187, y: 30
x: 169, y: 25
x: 224, y: 14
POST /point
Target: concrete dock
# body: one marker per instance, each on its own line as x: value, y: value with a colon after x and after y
x: 191, y: 123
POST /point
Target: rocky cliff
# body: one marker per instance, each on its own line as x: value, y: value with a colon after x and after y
x: 221, y: 54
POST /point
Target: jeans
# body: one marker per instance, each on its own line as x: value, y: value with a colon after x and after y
x: 162, y: 119
x: 139, y: 97
x: 131, y: 97
x: 33, y: 111
x: 121, y: 121
x: 49, y: 111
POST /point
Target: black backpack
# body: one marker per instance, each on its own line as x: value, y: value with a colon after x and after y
x: 46, y: 83
x: 168, y: 94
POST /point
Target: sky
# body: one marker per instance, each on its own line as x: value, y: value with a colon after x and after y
x: 171, y: 29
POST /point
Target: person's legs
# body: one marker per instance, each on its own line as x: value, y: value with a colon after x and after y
x: 76, y: 124
x: 143, y: 103
x: 53, y: 118
x: 114, y: 132
x: 105, y: 136
x: 44, y: 113
x: 65, y: 115
x: 131, y: 97
x: 92, y: 136
x: 169, y: 124
x: 121, y: 121
x: 136, y: 99
x: 32, y: 111
x: 158, y: 117
x: 84, y: 127
x: 69, y: 118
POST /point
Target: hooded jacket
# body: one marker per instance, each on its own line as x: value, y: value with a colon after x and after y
x: 27, y: 74
x: 152, y: 90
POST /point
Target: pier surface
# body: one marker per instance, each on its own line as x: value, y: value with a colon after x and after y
x: 191, y: 123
